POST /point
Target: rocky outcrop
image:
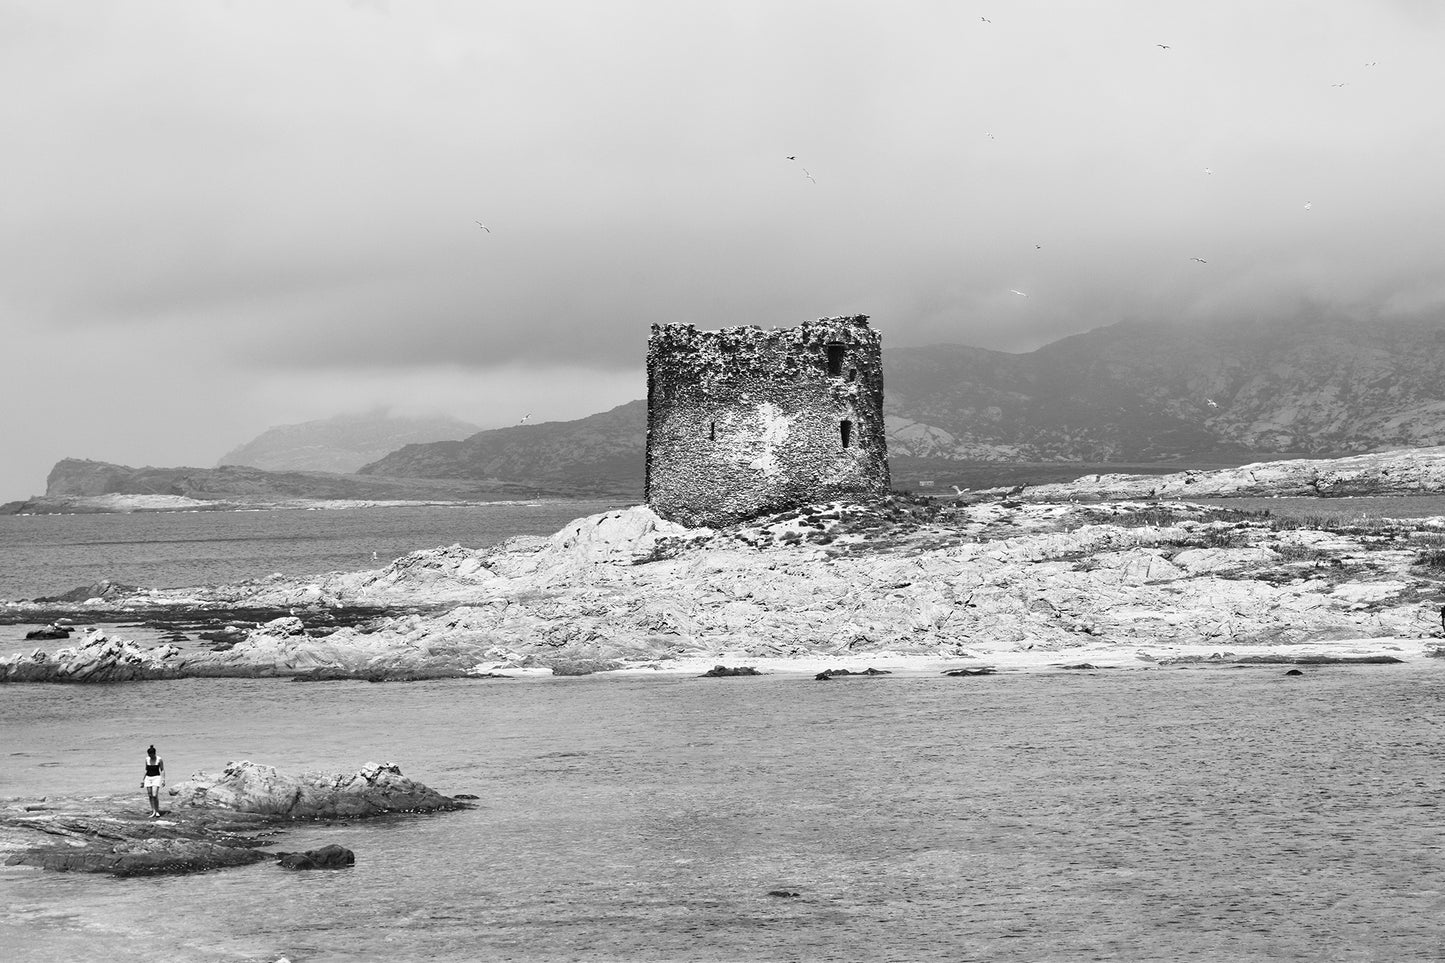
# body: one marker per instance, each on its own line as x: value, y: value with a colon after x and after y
x: 724, y: 671
x: 248, y: 787
x: 1095, y: 581
x: 327, y: 857
x: 213, y: 822
x: 1411, y: 471
x: 97, y: 659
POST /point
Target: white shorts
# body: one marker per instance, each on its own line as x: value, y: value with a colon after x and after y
x: 154, y: 782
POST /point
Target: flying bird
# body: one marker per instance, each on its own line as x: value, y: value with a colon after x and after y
x: 989, y: 135
x: 1199, y: 259
x: 792, y: 157
x: 1162, y: 46
x: 524, y: 418
x: 1309, y: 204
x: 1019, y: 293
x: 1211, y: 402
x: 1038, y: 247
x: 1372, y: 63
x: 985, y: 19
x: 484, y: 227
x: 808, y: 176
x: 1209, y: 170
x: 1337, y: 85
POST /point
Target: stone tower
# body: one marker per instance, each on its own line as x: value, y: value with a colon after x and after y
x: 744, y: 421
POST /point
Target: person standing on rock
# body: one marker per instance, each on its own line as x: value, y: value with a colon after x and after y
x: 155, y: 778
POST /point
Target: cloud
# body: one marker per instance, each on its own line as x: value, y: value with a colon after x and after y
x: 287, y: 194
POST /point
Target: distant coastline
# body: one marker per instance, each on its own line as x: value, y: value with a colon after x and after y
x: 128, y: 504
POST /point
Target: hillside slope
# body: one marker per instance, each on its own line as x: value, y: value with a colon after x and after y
x: 1125, y: 395
x: 340, y: 444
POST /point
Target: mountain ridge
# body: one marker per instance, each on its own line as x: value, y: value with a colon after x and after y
x: 342, y: 443
x: 1128, y: 394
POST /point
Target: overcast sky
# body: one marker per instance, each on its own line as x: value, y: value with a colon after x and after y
x: 216, y: 217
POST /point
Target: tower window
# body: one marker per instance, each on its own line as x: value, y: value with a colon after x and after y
x: 835, y: 359
x: 845, y: 428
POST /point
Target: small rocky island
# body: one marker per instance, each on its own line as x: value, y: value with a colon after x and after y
x: 212, y: 821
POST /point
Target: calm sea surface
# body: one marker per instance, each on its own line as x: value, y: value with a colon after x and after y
x: 50, y: 554
x: 1166, y: 814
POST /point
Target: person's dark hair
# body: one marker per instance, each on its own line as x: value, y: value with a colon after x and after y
x: 151, y: 751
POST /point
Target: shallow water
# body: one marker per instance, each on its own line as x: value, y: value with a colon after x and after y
x: 1183, y: 814
x: 51, y: 554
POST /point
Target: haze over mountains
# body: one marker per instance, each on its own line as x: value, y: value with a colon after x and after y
x: 1124, y: 394
x: 343, y: 443
x: 1149, y: 397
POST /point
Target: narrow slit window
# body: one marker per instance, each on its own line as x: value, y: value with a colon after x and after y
x: 835, y: 359
x: 845, y: 428
x: 712, y: 431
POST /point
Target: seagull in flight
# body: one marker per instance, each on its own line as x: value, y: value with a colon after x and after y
x: 985, y: 19
x: 1199, y: 259
x: 792, y: 157
x: 1373, y: 63
x: 484, y: 227
x: 989, y: 135
x: 1211, y: 402
x: 1038, y: 247
x: 808, y: 176
x: 1338, y: 85
x: 1209, y: 170
x: 1019, y: 293
x: 1309, y: 204
x: 524, y: 418
x: 1162, y: 46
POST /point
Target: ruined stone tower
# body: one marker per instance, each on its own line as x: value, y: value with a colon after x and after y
x: 745, y: 421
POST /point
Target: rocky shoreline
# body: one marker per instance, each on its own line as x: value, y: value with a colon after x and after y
x: 924, y: 585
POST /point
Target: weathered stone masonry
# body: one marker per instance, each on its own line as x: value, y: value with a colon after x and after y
x: 745, y: 421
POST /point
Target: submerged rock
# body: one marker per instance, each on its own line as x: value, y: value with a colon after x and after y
x: 327, y: 857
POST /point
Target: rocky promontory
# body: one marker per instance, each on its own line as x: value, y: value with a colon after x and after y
x: 82, y: 486
x: 214, y: 820
x: 1410, y: 471
x: 949, y: 583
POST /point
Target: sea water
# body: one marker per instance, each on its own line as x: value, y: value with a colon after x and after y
x: 49, y: 554
x: 1163, y: 814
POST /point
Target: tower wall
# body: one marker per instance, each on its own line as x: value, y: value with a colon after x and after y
x: 745, y: 421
